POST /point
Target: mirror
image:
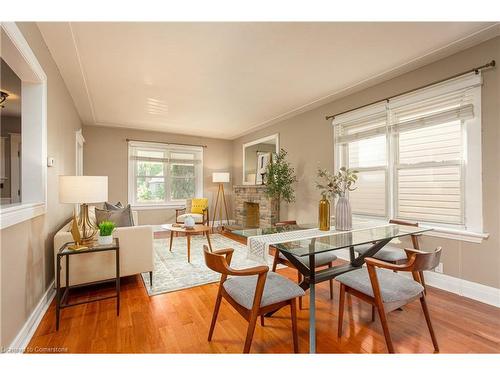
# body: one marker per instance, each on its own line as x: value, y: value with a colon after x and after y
x: 256, y: 155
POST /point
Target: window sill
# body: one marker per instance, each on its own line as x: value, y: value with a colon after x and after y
x: 146, y: 207
x: 437, y: 231
x: 457, y: 234
x: 17, y: 213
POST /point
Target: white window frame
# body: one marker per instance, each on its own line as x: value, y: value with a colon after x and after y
x: 166, y: 173
x: 472, y: 229
x: 19, y: 56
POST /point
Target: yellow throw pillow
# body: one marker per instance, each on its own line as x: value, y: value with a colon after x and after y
x: 198, y: 205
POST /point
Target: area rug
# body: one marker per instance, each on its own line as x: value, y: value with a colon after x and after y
x: 172, y: 271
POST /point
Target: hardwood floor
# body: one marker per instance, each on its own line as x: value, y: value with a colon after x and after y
x: 178, y: 322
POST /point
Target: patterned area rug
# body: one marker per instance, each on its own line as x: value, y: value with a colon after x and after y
x: 172, y: 271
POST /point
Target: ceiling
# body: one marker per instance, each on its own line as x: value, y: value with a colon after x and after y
x: 224, y: 80
x: 11, y: 84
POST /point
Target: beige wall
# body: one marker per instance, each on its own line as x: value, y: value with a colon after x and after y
x: 26, y: 249
x: 309, y: 141
x: 105, y: 153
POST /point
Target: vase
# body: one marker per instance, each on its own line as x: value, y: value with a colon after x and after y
x: 105, y: 240
x: 189, y: 222
x: 324, y: 213
x: 343, y: 215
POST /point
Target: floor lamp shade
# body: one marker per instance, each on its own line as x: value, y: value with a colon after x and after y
x: 83, y: 189
x: 220, y: 177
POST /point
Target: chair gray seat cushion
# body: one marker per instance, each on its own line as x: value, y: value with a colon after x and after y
x: 393, y: 286
x: 277, y: 289
x: 388, y: 253
x: 321, y: 259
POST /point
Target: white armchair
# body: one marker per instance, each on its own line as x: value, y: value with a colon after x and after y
x: 136, y: 255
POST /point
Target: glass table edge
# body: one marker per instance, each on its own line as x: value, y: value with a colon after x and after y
x: 285, y: 250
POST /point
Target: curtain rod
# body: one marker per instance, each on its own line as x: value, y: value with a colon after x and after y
x: 491, y: 64
x: 165, y: 143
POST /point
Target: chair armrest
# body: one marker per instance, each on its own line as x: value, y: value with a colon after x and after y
x: 179, y: 211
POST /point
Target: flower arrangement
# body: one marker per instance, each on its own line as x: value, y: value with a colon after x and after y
x: 336, y: 184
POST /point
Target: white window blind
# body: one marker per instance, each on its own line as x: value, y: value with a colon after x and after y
x: 414, y: 153
x: 161, y: 174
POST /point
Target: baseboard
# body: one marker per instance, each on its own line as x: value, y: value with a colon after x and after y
x: 223, y: 222
x: 18, y: 345
x: 465, y: 288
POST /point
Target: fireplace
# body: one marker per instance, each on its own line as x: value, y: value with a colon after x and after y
x: 253, y: 208
x: 251, y: 215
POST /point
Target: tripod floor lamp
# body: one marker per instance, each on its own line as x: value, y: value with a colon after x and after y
x: 221, y: 178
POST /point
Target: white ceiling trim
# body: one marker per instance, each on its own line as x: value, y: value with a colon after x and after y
x: 82, y: 71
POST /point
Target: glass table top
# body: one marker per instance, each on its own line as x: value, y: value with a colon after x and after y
x: 345, y: 239
x: 249, y: 232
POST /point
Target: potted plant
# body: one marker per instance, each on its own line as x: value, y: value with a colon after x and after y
x: 337, y: 185
x: 280, y: 179
x: 106, y: 232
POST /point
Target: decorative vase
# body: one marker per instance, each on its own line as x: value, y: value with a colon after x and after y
x: 343, y: 215
x: 105, y: 240
x: 324, y: 213
x: 189, y: 222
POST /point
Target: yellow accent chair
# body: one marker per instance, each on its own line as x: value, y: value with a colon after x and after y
x: 197, y: 208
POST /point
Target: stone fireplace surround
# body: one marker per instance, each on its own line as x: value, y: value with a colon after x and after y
x: 268, y: 213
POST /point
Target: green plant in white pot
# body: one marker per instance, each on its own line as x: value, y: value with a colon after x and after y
x: 106, y: 232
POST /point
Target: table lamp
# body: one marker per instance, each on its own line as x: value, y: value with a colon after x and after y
x: 220, y: 178
x: 83, y: 190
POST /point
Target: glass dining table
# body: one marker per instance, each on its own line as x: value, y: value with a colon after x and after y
x: 376, y: 235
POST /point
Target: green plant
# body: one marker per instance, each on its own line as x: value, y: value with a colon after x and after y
x: 337, y: 184
x: 106, y: 228
x: 280, y: 179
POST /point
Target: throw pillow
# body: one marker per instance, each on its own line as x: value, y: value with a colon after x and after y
x: 198, y: 205
x: 110, y: 206
x: 122, y: 217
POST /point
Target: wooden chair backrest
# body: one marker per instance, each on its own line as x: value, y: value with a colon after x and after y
x: 423, y: 261
x: 414, y: 239
x: 216, y: 262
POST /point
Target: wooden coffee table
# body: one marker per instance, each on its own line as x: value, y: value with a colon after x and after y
x: 197, y: 229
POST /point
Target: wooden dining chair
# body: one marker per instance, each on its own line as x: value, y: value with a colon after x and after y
x: 252, y: 292
x: 387, y: 290
x: 391, y: 253
x: 325, y: 259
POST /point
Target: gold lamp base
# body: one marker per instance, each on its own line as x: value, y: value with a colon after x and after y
x: 83, y: 229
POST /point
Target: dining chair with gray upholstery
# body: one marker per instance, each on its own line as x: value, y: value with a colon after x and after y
x: 386, y: 290
x: 252, y: 292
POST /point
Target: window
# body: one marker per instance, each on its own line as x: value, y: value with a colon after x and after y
x: 161, y: 174
x: 418, y: 155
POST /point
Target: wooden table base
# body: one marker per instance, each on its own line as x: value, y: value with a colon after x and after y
x: 188, y: 239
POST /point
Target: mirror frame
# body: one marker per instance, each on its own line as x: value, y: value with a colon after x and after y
x: 257, y: 141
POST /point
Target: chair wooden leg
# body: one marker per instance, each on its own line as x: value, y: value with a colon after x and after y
x: 299, y: 280
x: 330, y: 265
x: 250, y: 331
x: 293, y: 314
x: 275, y: 260
x: 423, y: 302
x: 262, y: 320
x: 341, y: 310
x: 385, y: 327
x: 214, y: 316
x: 373, y: 313
x: 422, y: 280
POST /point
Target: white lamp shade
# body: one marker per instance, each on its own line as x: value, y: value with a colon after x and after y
x: 220, y: 177
x: 83, y: 189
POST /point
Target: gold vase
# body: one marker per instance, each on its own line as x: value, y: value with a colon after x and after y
x: 324, y: 213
